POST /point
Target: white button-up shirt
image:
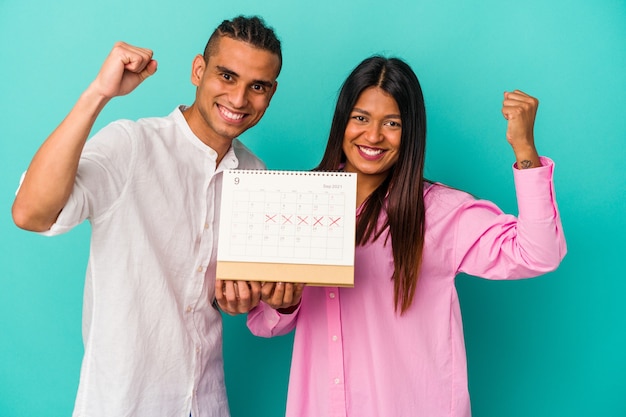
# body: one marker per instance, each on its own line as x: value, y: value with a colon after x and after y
x: 153, y: 340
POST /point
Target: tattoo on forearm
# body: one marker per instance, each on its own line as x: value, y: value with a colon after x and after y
x: 525, y: 164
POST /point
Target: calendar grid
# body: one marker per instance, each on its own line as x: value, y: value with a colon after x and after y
x: 288, y: 217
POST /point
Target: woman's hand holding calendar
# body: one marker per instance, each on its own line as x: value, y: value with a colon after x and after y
x: 283, y: 296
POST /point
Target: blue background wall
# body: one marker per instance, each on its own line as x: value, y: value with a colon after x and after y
x: 552, y: 346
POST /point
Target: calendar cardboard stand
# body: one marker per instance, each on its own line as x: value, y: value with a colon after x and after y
x: 321, y: 275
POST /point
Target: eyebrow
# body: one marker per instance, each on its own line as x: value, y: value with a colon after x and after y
x: 388, y: 116
x: 265, y: 83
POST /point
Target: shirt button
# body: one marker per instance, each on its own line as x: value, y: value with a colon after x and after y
x: 198, y: 350
x: 334, y: 338
x: 336, y: 381
x: 189, y: 309
x: 206, y: 225
x: 331, y: 295
x: 199, y: 269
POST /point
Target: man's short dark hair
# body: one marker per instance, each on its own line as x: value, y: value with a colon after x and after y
x: 252, y: 30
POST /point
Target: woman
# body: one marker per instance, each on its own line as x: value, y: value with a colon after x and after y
x: 393, y: 345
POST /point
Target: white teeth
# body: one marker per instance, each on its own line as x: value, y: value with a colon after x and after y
x: 370, y: 151
x: 231, y: 115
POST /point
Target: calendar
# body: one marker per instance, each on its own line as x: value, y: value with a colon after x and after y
x: 287, y: 226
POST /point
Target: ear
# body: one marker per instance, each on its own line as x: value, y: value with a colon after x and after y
x: 197, y: 70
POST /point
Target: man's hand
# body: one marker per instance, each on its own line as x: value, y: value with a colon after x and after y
x: 520, y: 110
x: 123, y: 70
x: 237, y: 297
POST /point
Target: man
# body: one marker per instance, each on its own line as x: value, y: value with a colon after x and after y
x: 151, y: 191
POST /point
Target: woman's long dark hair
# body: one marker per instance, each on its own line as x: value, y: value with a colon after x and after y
x: 401, y: 195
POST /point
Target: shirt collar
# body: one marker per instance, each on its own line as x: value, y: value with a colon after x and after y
x: 230, y: 160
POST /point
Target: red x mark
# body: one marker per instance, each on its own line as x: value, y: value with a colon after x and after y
x: 269, y: 218
x: 334, y: 221
x: 286, y: 219
x: 302, y: 220
x: 318, y: 221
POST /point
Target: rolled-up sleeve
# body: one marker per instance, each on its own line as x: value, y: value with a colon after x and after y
x: 264, y: 321
x: 494, y: 245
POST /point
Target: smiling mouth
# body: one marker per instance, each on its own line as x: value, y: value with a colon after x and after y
x: 370, y: 151
x: 227, y: 114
